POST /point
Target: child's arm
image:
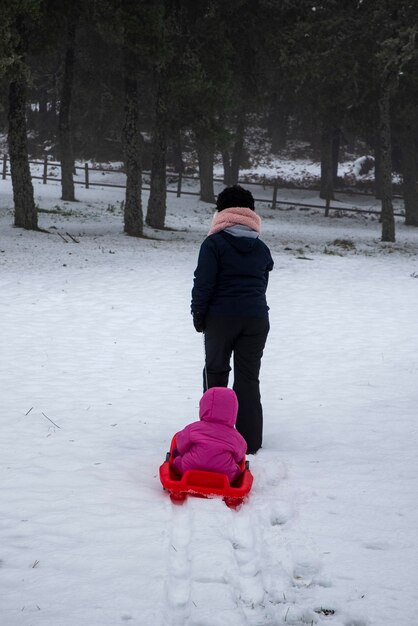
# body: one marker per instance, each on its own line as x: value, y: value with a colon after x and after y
x: 240, y: 449
x: 183, y: 441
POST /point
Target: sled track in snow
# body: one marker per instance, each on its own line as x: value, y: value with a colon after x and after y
x: 203, y: 575
x: 246, y: 567
x: 215, y: 565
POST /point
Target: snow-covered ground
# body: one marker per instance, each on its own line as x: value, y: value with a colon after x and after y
x: 101, y: 365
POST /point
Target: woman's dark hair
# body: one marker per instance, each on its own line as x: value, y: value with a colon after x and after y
x: 235, y: 196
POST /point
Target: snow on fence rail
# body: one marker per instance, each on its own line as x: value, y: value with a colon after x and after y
x: 87, y: 178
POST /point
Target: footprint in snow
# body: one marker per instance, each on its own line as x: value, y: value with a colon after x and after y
x: 355, y: 621
x: 376, y: 545
x: 268, y: 470
x: 281, y: 513
x: 305, y: 566
x: 247, y: 556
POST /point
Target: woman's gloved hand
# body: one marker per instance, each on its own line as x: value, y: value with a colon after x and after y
x: 199, y: 322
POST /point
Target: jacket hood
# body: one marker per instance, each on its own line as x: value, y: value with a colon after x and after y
x: 219, y: 405
x: 242, y: 244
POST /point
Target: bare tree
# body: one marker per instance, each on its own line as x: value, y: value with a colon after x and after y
x: 132, y: 140
x: 64, y: 119
x: 26, y: 214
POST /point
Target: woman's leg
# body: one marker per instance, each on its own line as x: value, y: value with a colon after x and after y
x: 219, y: 341
x: 248, y: 350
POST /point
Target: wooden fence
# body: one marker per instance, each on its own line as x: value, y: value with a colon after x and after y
x: 179, y: 178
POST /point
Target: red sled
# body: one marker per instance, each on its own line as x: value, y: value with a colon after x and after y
x: 204, y: 484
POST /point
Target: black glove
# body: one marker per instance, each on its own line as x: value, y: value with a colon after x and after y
x: 199, y: 322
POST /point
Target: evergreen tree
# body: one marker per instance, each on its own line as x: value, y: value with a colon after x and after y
x: 202, y: 86
x: 164, y: 65
x: 405, y: 134
x: 394, y: 26
x: 65, y: 134
x: 133, y: 25
x: 321, y: 53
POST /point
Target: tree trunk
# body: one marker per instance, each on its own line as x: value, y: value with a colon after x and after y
x: 205, y: 156
x: 410, y: 175
x: 232, y: 159
x: 388, y: 220
x: 238, y: 147
x: 176, y: 145
x: 133, y: 216
x: 157, y: 199
x: 43, y: 118
x: 26, y: 214
x: 336, y: 140
x: 377, y: 168
x: 64, y: 119
x: 226, y: 162
x: 327, y: 173
x: 278, y: 122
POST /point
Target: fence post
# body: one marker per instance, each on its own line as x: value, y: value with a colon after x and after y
x: 86, y: 172
x: 4, y: 166
x: 179, y: 185
x: 45, y: 174
x: 274, y: 201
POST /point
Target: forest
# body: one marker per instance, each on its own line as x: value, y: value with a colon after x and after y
x: 146, y: 81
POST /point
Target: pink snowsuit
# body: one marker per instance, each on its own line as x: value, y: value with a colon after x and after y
x: 212, y: 443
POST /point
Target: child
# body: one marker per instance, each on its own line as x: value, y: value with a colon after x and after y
x: 212, y: 443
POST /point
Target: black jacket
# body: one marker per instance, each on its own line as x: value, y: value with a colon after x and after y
x: 231, y: 276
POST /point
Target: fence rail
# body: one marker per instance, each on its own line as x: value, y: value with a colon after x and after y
x: 180, y: 191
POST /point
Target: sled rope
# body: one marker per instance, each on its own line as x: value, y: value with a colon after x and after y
x: 205, y: 369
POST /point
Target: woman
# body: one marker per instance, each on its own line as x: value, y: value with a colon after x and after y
x: 229, y: 305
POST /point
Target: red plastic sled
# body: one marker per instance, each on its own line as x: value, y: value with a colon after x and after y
x: 204, y: 484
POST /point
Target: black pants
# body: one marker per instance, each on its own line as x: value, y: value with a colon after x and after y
x: 245, y: 337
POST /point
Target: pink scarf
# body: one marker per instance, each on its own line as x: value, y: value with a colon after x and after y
x: 232, y: 217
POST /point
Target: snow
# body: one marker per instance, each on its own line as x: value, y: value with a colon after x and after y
x: 101, y: 365
x: 360, y: 163
x: 300, y: 171
x: 291, y: 169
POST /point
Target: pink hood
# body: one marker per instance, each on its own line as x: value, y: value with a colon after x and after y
x: 219, y: 405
